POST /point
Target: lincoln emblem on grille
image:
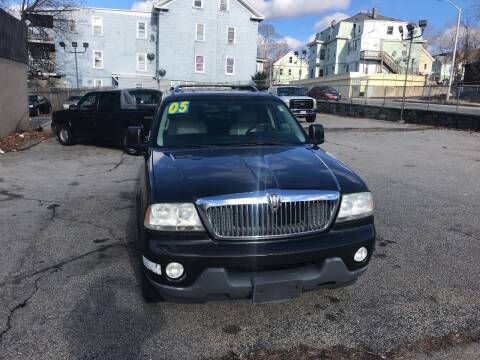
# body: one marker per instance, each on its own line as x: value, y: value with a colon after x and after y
x: 274, y: 201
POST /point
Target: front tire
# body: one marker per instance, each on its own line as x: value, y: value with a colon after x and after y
x: 64, y: 135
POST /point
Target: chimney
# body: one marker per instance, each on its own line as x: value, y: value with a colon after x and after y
x: 374, y: 13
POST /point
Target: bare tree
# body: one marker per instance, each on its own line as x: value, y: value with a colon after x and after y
x: 46, y: 21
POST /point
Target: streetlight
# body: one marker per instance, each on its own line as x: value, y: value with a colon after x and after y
x: 411, y: 27
x: 75, y: 46
x: 301, y: 57
x: 452, y: 70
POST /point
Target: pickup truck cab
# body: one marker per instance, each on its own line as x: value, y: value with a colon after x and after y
x: 236, y: 201
x: 297, y: 99
x: 106, y: 115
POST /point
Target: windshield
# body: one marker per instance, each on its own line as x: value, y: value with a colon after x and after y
x: 74, y: 98
x: 228, y: 122
x: 292, y: 91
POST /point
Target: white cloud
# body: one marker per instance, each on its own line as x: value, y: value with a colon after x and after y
x: 292, y: 42
x: 142, y: 5
x: 275, y: 9
x: 297, y: 44
x: 326, y: 22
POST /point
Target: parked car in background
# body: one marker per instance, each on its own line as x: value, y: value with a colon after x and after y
x: 38, y: 105
x: 104, y: 115
x: 71, y: 100
x: 297, y: 99
x: 324, y: 93
x: 236, y: 201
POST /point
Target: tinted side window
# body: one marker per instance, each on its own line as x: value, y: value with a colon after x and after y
x: 109, y: 102
x: 88, y: 103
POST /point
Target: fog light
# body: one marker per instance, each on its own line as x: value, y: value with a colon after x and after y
x: 174, y: 270
x: 361, y: 254
x: 155, y: 268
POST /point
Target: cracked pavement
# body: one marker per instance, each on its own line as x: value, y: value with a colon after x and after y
x: 69, y: 281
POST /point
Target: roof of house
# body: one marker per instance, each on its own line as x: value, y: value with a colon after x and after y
x: 162, y: 4
x: 361, y: 16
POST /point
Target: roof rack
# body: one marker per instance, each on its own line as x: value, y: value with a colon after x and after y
x: 213, y: 87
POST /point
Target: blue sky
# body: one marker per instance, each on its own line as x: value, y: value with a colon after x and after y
x: 439, y: 14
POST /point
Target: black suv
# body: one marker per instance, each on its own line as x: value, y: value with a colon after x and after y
x: 236, y: 201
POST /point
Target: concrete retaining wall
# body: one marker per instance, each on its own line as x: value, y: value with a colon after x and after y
x: 421, y: 117
x: 13, y: 96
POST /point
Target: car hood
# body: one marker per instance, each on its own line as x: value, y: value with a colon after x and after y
x: 188, y: 175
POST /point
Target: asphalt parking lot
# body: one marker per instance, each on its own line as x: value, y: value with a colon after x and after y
x: 69, y: 283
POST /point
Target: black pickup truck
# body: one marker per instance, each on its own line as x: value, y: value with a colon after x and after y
x: 106, y: 115
x: 236, y: 201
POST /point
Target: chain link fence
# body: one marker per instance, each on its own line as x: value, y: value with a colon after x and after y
x: 460, y: 98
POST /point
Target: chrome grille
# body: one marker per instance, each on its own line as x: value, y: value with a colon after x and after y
x: 254, y: 216
x: 301, y: 104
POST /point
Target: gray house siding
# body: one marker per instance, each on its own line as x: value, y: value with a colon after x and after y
x: 178, y: 46
x: 119, y: 45
x: 171, y: 39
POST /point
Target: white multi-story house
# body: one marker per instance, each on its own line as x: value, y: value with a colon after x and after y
x: 207, y: 41
x: 366, y: 43
x: 289, y: 68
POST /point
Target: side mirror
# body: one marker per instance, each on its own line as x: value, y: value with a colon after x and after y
x: 317, y: 134
x: 134, y: 143
x: 72, y: 107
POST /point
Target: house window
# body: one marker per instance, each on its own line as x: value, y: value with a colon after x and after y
x: 230, y: 66
x: 200, y: 31
x: 97, y: 59
x: 230, y: 35
x: 290, y: 60
x: 141, y: 30
x: 289, y: 71
x: 322, y: 54
x: 424, y: 66
x: 72, y: 25
x: 223, y: 5
x: 98, y: 83
x: 321, y: 72
x: 390, y: 30
x: 311, y: 74
x: 142, y: 62
x: 199, y: 64
x: 198, y: 3
x: 281, y: 72
x: 97, y: 25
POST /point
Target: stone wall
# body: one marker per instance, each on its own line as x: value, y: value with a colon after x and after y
x: 421, y: 117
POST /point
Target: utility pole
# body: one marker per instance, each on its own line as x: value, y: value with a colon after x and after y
x: 454, y: 55
x: 422, y: 24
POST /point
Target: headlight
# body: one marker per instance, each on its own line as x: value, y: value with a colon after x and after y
x: 173, y: 217
x: 30, y: 106
x: 355, y: 206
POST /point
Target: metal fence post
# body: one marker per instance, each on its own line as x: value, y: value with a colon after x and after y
x: 429, y: 97
x: 366, y: 93
x: 458, y: 97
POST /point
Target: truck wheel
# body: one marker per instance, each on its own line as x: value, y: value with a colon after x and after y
x: 311, y: 118
x: 64, y: 135
x: 150, y: 295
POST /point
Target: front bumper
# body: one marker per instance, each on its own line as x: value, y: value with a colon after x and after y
x: 222, y: 284
x: 303, y: 112
x: 226, y: 270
